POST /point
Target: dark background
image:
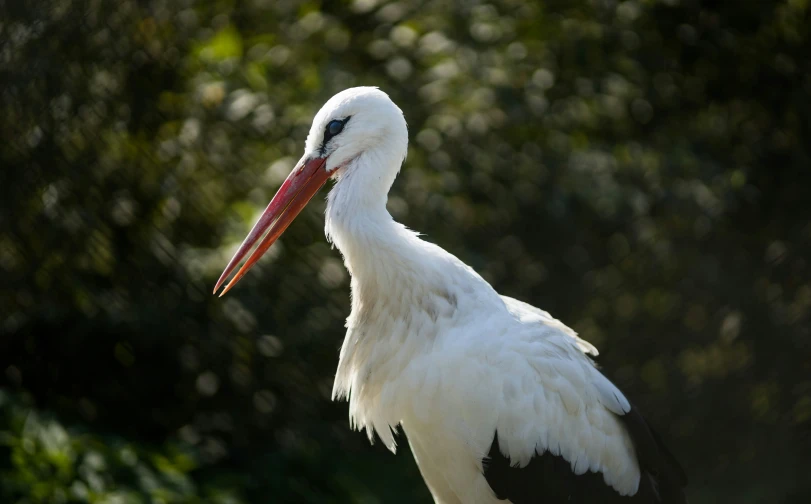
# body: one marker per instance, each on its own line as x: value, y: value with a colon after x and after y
x: 638, y: 168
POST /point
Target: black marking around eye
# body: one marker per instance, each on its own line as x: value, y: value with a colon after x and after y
x: 332, y: 129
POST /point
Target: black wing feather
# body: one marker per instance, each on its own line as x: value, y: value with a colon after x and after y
x: 549, y: 478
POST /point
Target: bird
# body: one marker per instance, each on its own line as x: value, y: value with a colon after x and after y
x: 499, y: 401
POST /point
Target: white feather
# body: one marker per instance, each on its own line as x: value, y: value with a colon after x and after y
x: 432, y: 347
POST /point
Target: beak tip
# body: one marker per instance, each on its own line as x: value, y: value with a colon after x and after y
x: 222, y: 279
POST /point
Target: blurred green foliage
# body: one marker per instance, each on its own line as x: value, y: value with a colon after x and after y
x: 639, y: 168
x: 52, y: 464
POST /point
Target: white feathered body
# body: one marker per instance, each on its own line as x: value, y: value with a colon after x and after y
x: 431, y: 346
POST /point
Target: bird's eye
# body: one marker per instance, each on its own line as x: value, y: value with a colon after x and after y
x: 334, y: 127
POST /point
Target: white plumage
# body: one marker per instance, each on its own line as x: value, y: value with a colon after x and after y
x: 432, y: 347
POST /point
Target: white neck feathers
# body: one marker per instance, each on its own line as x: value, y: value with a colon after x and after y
x: 406, y: 293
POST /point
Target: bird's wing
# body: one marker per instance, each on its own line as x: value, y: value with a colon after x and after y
x: 564, y: 427
x: 528, y: 314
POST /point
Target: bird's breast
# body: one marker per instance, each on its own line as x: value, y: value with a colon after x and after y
x: 390, y: 342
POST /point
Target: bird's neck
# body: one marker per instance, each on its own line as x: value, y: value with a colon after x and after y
x: 388, y: 263
x: 401, y: 297
x: 372, y: 243
x: 407, y: 295
x: 357, y: 221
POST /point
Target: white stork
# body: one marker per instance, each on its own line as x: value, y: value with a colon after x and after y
x: 499, y: 400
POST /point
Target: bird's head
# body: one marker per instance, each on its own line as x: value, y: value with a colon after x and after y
x: 356, y: 122
x: 353, y: 122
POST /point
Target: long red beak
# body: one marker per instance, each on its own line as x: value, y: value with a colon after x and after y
x: 300, y: 186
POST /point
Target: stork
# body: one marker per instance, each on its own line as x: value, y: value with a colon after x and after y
x: 499, y: 400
